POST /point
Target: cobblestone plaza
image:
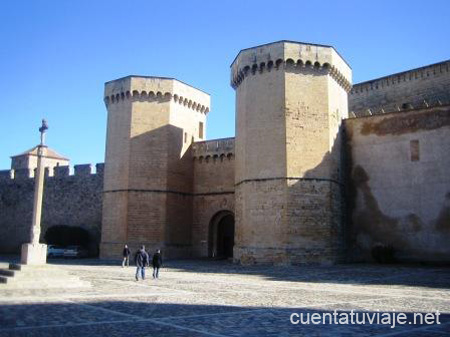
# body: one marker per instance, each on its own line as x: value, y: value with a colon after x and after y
x: 217, y: 298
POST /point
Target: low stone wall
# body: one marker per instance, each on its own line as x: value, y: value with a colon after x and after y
x: 72, y: 200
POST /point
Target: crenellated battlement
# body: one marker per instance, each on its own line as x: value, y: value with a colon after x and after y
x: 393, y: 108
x: 84, y: 170
x: 156, y: 89
x: 156, y: 97
x: 213, y: 150
x: 412, y: 89
x: 291, y: 56
x: 70, y: 199
x: 436, y: 69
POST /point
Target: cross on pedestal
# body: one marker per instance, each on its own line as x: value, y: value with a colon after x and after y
x: 35, y: 253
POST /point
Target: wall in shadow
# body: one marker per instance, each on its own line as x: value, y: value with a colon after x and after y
x: 399, y: 191
x: 70, y: 200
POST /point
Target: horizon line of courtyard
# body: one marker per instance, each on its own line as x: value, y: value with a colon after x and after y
x: 143, y: 190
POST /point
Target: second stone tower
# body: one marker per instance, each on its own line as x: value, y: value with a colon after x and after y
x: 290, y: 100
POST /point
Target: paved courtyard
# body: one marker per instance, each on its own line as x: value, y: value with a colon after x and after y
x: 217, y: 298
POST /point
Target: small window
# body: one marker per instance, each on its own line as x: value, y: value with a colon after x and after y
x: 415, y: 150
x: 200, y: 130
x: 407, y: 106
x: 185, y: 137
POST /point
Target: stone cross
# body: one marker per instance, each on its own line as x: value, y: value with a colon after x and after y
x: 39, y: 187
x: 34, y: 252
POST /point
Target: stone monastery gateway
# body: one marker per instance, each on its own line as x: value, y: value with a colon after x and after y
x: 320, y: 170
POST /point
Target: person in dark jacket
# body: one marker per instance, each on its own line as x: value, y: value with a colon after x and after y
x: 142, y: 260
x: 157, y: 263
x: 126, y: 256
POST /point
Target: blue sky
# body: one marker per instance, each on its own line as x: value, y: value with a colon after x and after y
x: 56, y: 55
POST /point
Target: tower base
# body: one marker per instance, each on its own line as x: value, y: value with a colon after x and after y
x: 285, y: 256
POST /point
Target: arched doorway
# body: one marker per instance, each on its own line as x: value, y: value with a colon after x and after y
x: 221, y: 235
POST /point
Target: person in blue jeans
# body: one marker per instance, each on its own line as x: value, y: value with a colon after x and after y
x: 142, y: 260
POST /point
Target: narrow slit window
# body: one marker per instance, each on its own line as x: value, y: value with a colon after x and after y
x: 200, y: 130
x: 415, y: 150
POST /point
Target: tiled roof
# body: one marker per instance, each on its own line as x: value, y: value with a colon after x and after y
x: 50, y: 154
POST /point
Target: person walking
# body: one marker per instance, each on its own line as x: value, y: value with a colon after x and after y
x: 142, y: 260
x: 157, y: 263
x: 126, y: 256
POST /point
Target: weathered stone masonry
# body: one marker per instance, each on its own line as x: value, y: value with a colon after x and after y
x: 400, y: 183
x: 320, y: 171
x: 148, y: 191
x: 291, y: 98
x: 213, y: 193
x: 412, y: 89
x: 72, y: 200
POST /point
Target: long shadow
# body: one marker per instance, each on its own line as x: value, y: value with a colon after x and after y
x: 148, y: 318
x: 410, y: 275
x: 362, y: 274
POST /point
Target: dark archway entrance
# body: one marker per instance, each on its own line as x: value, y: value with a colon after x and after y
x: 221, y: 235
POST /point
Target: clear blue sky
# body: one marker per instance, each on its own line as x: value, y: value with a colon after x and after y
x: 56, y: 55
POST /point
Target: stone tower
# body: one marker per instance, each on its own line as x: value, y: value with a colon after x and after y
x: 147, y: 198
x: 290, y: 100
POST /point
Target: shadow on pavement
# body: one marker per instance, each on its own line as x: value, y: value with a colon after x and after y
x: 147, y: 318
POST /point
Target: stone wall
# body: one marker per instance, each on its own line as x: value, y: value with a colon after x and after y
x: 400, y: 184
x: 72, y: 200
x: 414, y: 88
x: 213, y: 188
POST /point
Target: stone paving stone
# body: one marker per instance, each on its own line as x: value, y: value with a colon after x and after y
x: 22, y: 314
x: 126, y: 329
x: 404, y: 304
x: 147, y: 308
x: 217, y: 298
x: 431, y: 332
x: 276, y: 323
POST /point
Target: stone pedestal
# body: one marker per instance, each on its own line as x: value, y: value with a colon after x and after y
x: 44, y: 276
x: 34, y: 254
